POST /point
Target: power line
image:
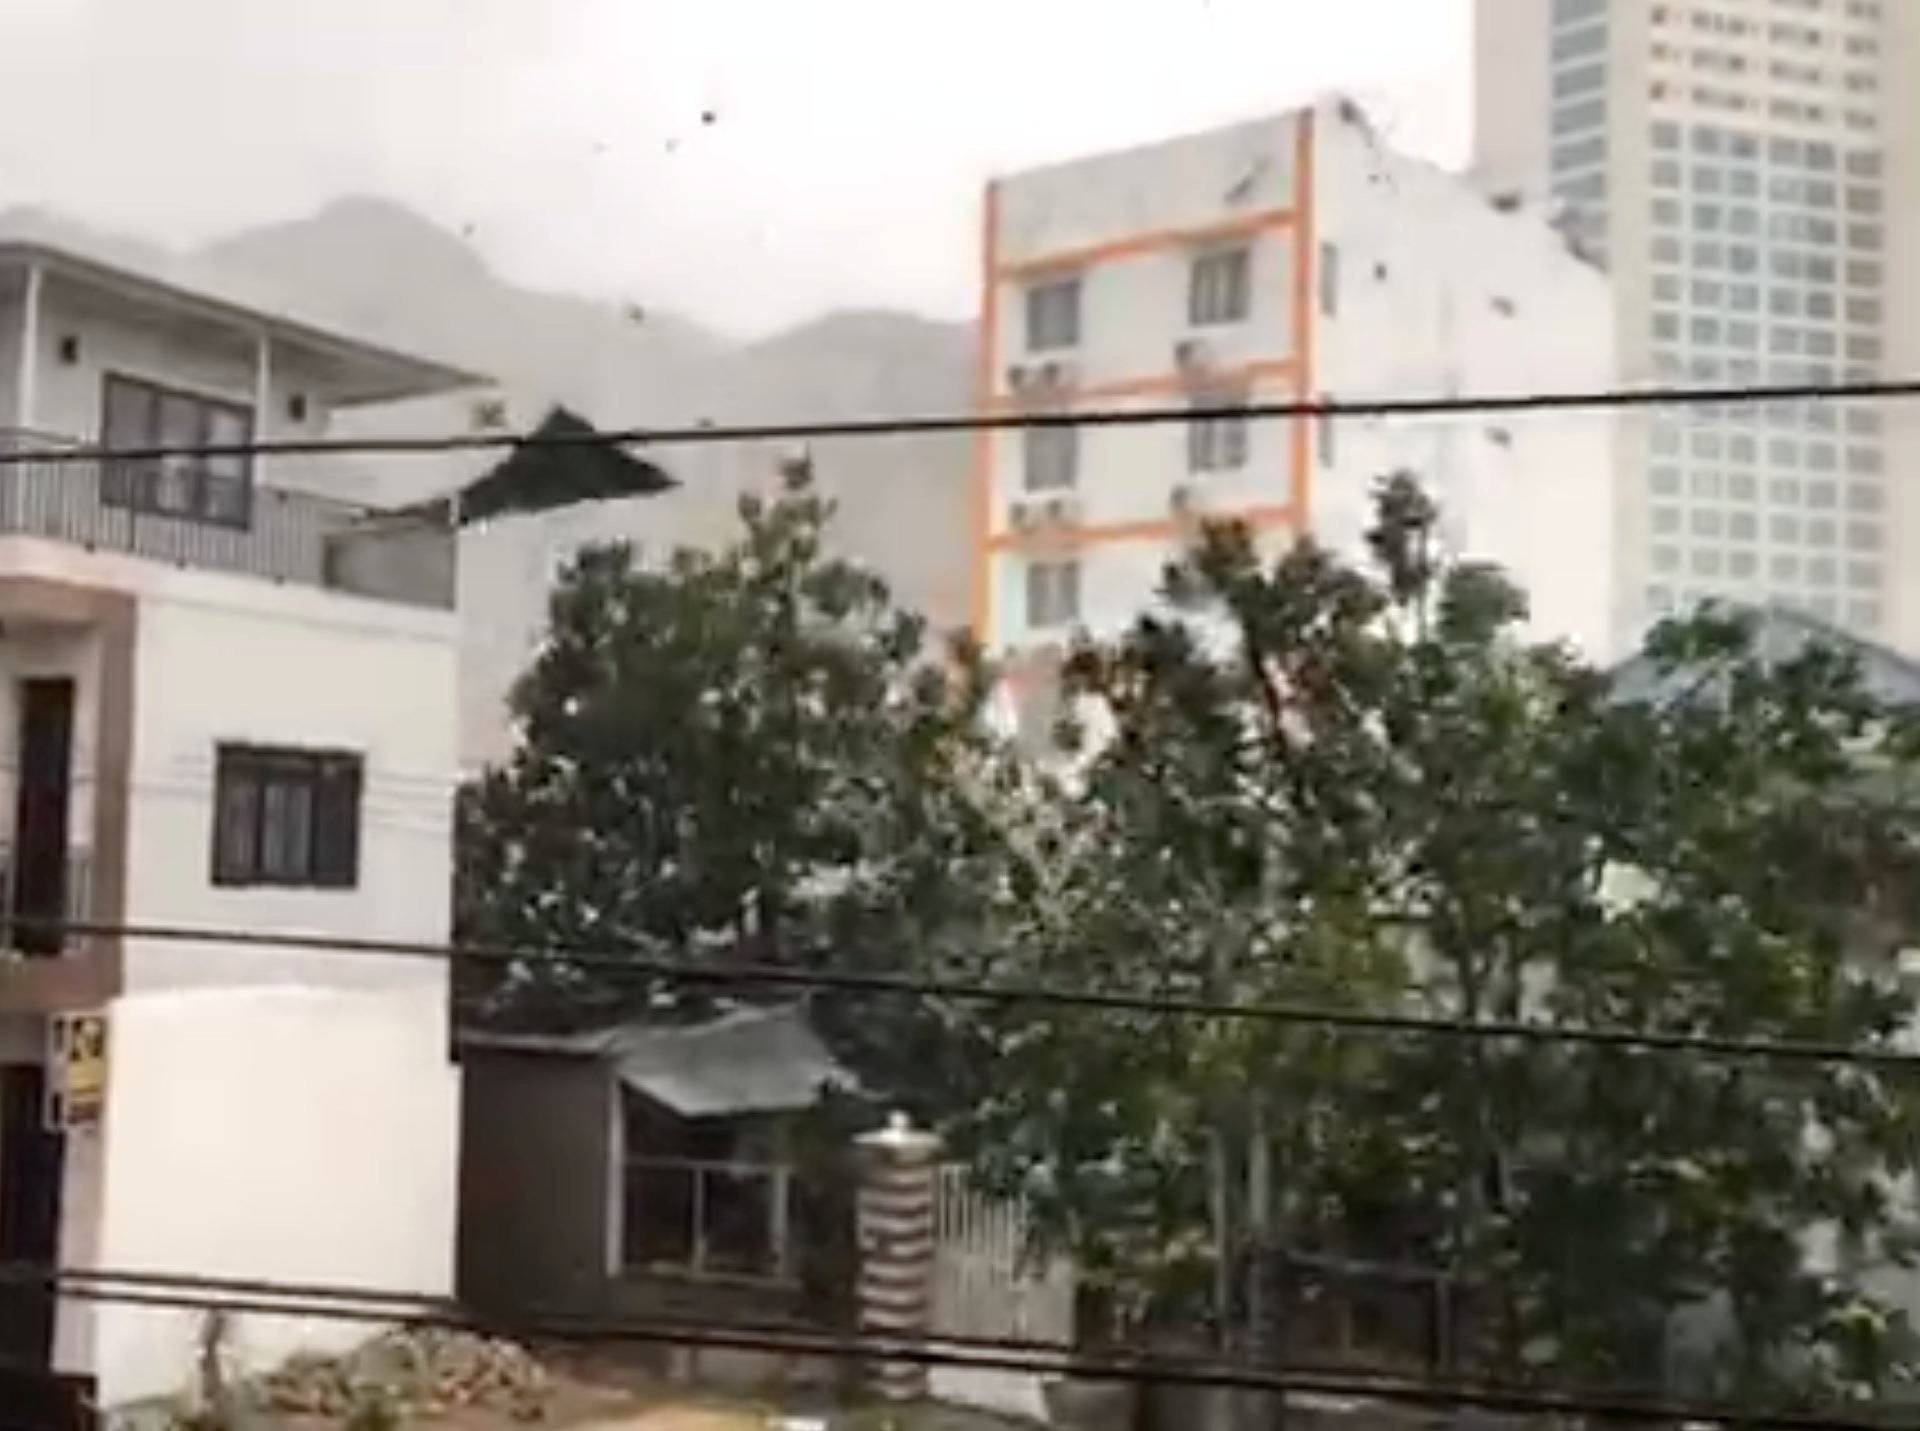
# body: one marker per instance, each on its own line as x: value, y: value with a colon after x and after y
x: 630, y: 967
x: 194, y: 1293
x: 705, y: 433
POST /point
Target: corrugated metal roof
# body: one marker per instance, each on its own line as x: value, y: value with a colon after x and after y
x: 1779, y: 634
x: 747, y: 1061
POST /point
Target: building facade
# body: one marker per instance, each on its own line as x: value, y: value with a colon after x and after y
x: 1290, y: 259
x: 227, y: 702
x: 1749, y: 172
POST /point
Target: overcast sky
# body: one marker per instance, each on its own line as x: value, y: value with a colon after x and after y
x: 748, y: 162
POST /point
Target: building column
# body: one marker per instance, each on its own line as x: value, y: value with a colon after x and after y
x: 896, y: 1237
x: 26, y: 376
x: 262, y: 398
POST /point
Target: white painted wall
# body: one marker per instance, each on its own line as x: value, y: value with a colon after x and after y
x: 1438, y: 292
x: 1441, y: 293
x: 297, y: 1135
x: 232, y: 658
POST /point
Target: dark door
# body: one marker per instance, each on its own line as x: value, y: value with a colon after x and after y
x: 40, y: 815
x: 30, y: 1167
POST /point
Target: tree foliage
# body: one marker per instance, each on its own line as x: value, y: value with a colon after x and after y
x: 1307, y: 782
x: 1328, y: 785
x: 750, y: 755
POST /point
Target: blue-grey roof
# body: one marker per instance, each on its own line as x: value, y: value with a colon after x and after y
x: 1779, y: 634
x: 754, y: 1060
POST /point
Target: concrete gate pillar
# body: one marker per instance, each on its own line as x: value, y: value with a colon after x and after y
x: 895, y: 1217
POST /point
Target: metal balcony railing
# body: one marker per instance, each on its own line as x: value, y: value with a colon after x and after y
x: 16, y: 937
x: 181, y: 513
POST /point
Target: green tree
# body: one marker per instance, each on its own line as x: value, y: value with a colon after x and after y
x: 751, y: 755
x: 1333, y: 785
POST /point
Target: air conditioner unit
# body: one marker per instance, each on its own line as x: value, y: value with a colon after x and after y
x: 1020, y: 377
x: 1193, y: 355
x: 1023, y: 515
x: 1058, y: 373
x: 1063, y: 511
x: 1183, y: 499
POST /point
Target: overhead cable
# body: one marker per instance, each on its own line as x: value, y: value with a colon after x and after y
x: 1044, y: 413
x: 609, y: 961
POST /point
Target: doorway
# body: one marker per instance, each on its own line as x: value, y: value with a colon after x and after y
x: 41, y: 813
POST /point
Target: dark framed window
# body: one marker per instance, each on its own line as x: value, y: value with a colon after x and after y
x: 1217, y: 435
x: 216, y: 488
x: 1220, y: 287
x: 1053, y: 315
x: 286, y: 817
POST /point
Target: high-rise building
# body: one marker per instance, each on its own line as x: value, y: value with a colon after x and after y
x: 1290, y: 258
x: 1749, y: 173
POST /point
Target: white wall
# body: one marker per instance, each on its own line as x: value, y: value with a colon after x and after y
x: 220, y: 659
x: 1442, y: 294
x: 214, y: 361
x: 1438, y: 293
x: 232, y: 658
x: 293, y: 1135
x: 1133, y: 314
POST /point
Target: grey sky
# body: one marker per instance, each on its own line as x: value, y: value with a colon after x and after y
x: 842, y: 164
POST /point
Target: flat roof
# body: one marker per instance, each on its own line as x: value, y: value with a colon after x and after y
x: 368, y: 371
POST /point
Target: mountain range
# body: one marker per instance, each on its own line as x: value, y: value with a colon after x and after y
x: 377, y: 269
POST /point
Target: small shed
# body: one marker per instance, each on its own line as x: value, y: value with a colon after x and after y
x: 597, y: 1166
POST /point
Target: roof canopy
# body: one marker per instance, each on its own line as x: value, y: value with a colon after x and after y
x: 747, y: 1061
x: 360, y: 370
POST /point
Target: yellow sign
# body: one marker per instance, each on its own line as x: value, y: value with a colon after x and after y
x: 79, y: 1065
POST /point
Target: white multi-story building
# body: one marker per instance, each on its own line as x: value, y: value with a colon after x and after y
x: 1749, y: 172
x: 1292, y: 258
x: 227, y: 701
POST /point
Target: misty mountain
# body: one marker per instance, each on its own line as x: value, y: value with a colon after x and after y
x: 381, y: 270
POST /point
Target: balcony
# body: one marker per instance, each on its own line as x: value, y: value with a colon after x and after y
x: 25, y: 931
x: 192, y: 516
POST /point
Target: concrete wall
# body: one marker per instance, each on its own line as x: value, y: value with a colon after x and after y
x: 229, y: 658
x: 295, y: 1135
x: 535, y: 1178
x: 1433, y: 291
x: 1440, y: 292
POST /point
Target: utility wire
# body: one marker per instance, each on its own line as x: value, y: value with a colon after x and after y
x: 701, y: 434
x: 194, y: 1293
x: 624, y: 967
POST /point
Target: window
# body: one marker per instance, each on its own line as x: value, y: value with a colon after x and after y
x: 286, y: 817
x: 209, y: 488
x: 1216, y: 442
x: 1580, y: 116
x: 1329, y: 279
x: 1053, y: 593
x: 1218, y: 288
x: 1051, y: 456
x: 1053, y: 315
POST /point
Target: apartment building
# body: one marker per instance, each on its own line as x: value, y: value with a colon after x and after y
x: 1291, y: 258
x: 227, y: 701
x: 1749, y: 172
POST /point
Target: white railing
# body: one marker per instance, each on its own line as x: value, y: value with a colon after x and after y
x: 990, y: 1281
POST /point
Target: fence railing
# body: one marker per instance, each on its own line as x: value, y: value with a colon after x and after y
x: 24, y: 937
x: 222, y: 523
x: 709, y: 1219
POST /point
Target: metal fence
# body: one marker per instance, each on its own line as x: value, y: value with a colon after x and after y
x: 267, y: 531
x: 79, y: 899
